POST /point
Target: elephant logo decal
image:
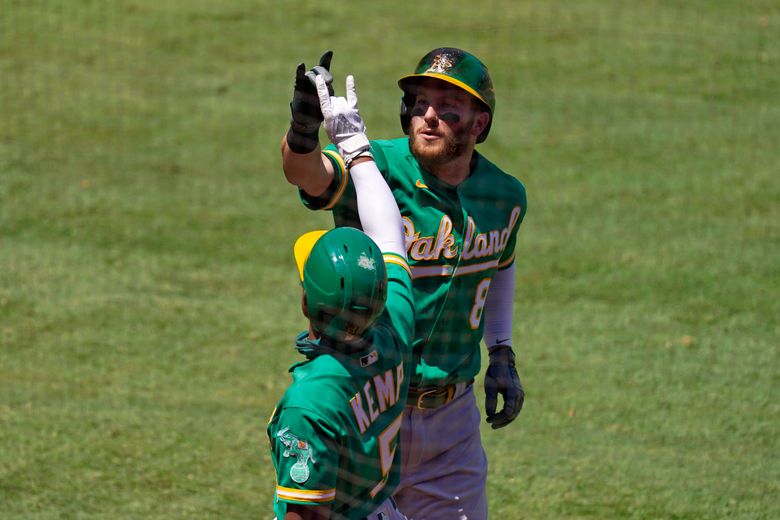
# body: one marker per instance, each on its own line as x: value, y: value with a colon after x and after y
x: 441, y: 64
x: 301, y: 450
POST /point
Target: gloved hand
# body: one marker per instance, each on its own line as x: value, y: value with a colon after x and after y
x: 501, y: 378
x: 305, y: 106
x: 342, y: 121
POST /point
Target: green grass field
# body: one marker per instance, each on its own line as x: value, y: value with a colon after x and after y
x: 148, y: 297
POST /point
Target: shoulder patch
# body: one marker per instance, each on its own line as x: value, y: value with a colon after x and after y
x: 301, y: 450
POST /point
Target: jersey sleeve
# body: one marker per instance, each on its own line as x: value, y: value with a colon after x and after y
x: 509, y: 252
x: 305, y: 455
x: 340, y: 197
x: 400, y: 302
x: 337, y: 187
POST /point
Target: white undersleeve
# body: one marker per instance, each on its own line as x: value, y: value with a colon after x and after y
x: 378, y: 211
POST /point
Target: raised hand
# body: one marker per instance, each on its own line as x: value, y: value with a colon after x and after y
x: 306, y: 116
x: 342, y: 121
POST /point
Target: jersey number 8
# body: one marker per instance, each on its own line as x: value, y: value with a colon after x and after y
x: 479, y: 303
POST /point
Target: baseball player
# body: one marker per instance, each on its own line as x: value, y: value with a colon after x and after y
x: 461, y: 216
x: 335, y: 433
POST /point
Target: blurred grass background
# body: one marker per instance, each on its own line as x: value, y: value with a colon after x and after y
x: 148, y: 300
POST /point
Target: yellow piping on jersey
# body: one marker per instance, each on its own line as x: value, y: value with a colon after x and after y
x: 344, y: 177
x: 507, y: 262
x: 475, y: 268
x: 392, y: 258
x: 428, y: 271
x: 305, y: 495
x: 420, y: 184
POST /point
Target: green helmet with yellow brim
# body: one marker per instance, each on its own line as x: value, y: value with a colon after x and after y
x: 454, y: 66
x: 345, y: 279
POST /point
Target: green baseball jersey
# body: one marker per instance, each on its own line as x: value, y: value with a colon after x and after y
x: 334, y: 434
x: 457, y: 237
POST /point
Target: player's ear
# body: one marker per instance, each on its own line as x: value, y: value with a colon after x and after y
x: 481, y: 121
x: 304, y: 307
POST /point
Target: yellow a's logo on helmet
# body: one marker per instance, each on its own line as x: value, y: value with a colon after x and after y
x: 441, y: 64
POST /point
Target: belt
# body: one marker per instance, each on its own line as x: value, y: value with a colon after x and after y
x: 429, y: 397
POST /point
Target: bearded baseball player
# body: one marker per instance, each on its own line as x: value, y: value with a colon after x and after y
x: 334, y: 435
x: 461, y: 215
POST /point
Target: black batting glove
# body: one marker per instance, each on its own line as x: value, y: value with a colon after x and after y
x: 501, y: 378
x: 305, y: 106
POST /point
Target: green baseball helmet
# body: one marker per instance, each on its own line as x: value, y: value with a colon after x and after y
x: 457, y: 67
x: 345, y: 279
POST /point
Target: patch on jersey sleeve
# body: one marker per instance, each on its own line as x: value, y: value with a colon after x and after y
x: 301, y: 450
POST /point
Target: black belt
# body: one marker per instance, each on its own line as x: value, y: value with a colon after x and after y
x: 428, y: 397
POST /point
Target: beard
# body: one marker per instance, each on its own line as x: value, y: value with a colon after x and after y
x: 448, y: 148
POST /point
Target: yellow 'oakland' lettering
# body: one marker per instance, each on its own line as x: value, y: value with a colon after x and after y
x: 421, y: 249
x: 481, y: 245
x: 443, y: 244
x: 430, y: 247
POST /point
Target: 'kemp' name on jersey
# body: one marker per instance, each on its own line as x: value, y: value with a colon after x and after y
x: 379, y: 396
x: 475, y: 245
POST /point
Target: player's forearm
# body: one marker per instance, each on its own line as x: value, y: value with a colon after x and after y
x: 309, y: 171
x: 377, y: 209
x: 499, y: 308
x: 298, y: 512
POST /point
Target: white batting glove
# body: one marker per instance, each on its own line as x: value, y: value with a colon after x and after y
x: 342, y: 122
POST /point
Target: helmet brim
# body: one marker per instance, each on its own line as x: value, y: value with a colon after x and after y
x: 414, y: 79
x: 303, y: 246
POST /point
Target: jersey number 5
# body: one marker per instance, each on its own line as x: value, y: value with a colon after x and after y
x: 479, y: 303
x: 387, y: 447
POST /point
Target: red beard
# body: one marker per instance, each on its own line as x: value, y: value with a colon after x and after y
x: 447, y: 148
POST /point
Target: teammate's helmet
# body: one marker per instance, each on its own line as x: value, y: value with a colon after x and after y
x: 454, y: 66
x: 345, y: 280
